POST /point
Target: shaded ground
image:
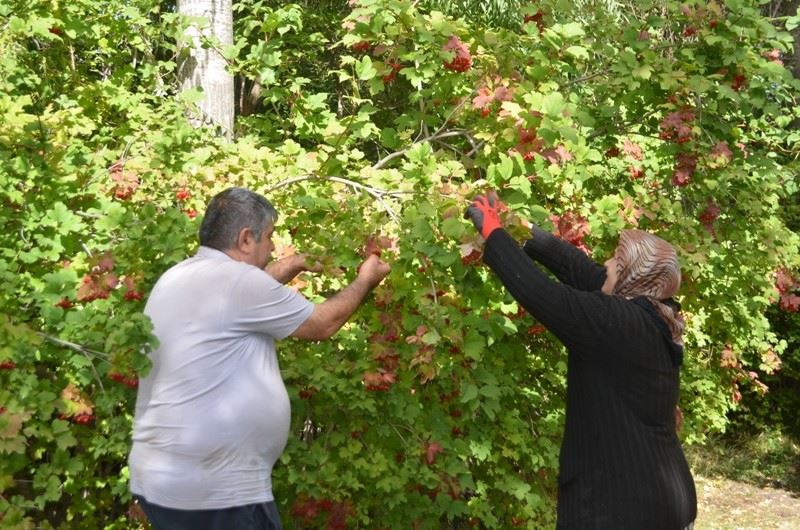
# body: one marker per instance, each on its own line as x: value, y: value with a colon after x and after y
x: 725, y: 504
x: 747, y: 482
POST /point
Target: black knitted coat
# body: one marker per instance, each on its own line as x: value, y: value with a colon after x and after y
x: 621, y: 462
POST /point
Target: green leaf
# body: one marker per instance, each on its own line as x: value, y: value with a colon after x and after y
x: 553, y: 104
x: 469, y: 392
x: 63, y: 219
x: 364, y: 69
x: 643, y: 71
x: 579, y: 52
x: 453, y: 228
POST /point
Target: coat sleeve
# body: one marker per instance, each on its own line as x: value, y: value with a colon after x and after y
x: 581, y: 320
x: 568, y: 263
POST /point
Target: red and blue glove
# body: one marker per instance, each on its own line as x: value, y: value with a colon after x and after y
x: 483, y: 213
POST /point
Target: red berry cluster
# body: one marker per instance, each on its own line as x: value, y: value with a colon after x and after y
x: 462, y: 61
x: 130, y: 381
x: 709, y: 215
x: 529, y: 143
x: 739, y: 82
x: 132, y: 296
x: 321, y: 513
x: 538, y: 329
x: 7, y: 365
x: 361, y: 47
x: 183, y: 194
x: 82, y: 419
x: 64, y: 303
x: 392, y: 75
x: 472, y: 258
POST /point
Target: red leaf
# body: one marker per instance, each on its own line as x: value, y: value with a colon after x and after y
x: 483, y: 99
x: 572, y: 228
x: 431, y: 450
x: 632, y: 149
x: 722, y: 151
x: 686, y: 163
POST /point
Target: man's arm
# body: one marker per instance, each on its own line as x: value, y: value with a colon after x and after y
x: 329, y: 316
x: 284, y: 270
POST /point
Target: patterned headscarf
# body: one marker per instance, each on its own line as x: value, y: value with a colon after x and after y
x: 648, y: 266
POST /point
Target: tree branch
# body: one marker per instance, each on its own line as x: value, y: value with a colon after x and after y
x: 81, y: 349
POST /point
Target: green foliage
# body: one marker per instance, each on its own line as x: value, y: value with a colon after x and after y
x: 440, y: 404
x: 766, y: 459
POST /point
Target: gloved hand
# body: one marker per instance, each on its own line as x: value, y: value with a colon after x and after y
x: 483, y: 213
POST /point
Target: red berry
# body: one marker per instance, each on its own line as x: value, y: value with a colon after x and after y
x: 361, y: 47
x: 82, y: 419
x: 182, y: 194
x: 7, y: 365
x: 635, y: 172
x: 462, y: 61
x: 64, y: 303
x: 471, y: 258
x: 739, y: 82
x: 132, y: 296
x: 191, y: 213
x: 536, y: 330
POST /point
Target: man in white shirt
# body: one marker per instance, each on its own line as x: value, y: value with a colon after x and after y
x: 212, y: 416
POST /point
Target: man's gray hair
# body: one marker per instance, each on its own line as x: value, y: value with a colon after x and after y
x: 232, y: 210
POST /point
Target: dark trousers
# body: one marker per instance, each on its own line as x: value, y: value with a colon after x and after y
x: 263, y: 516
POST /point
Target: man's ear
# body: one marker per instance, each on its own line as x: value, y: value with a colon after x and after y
x: 245, y: 240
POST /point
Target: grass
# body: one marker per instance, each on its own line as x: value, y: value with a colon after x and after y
x: 747, y: 481
x: 765, y: 459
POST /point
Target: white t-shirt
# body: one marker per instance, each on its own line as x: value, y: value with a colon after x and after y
x: 212, y: 416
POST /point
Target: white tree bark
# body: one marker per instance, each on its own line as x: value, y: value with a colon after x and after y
x: 205, y: 68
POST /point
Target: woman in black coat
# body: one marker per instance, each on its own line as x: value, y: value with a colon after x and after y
x: 621, y: 462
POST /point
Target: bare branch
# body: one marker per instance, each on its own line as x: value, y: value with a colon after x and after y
x: 90, y: 354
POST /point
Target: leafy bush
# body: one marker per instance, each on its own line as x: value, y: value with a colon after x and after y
x: 440, y: 403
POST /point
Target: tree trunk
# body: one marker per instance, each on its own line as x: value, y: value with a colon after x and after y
x: 205, y: 68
